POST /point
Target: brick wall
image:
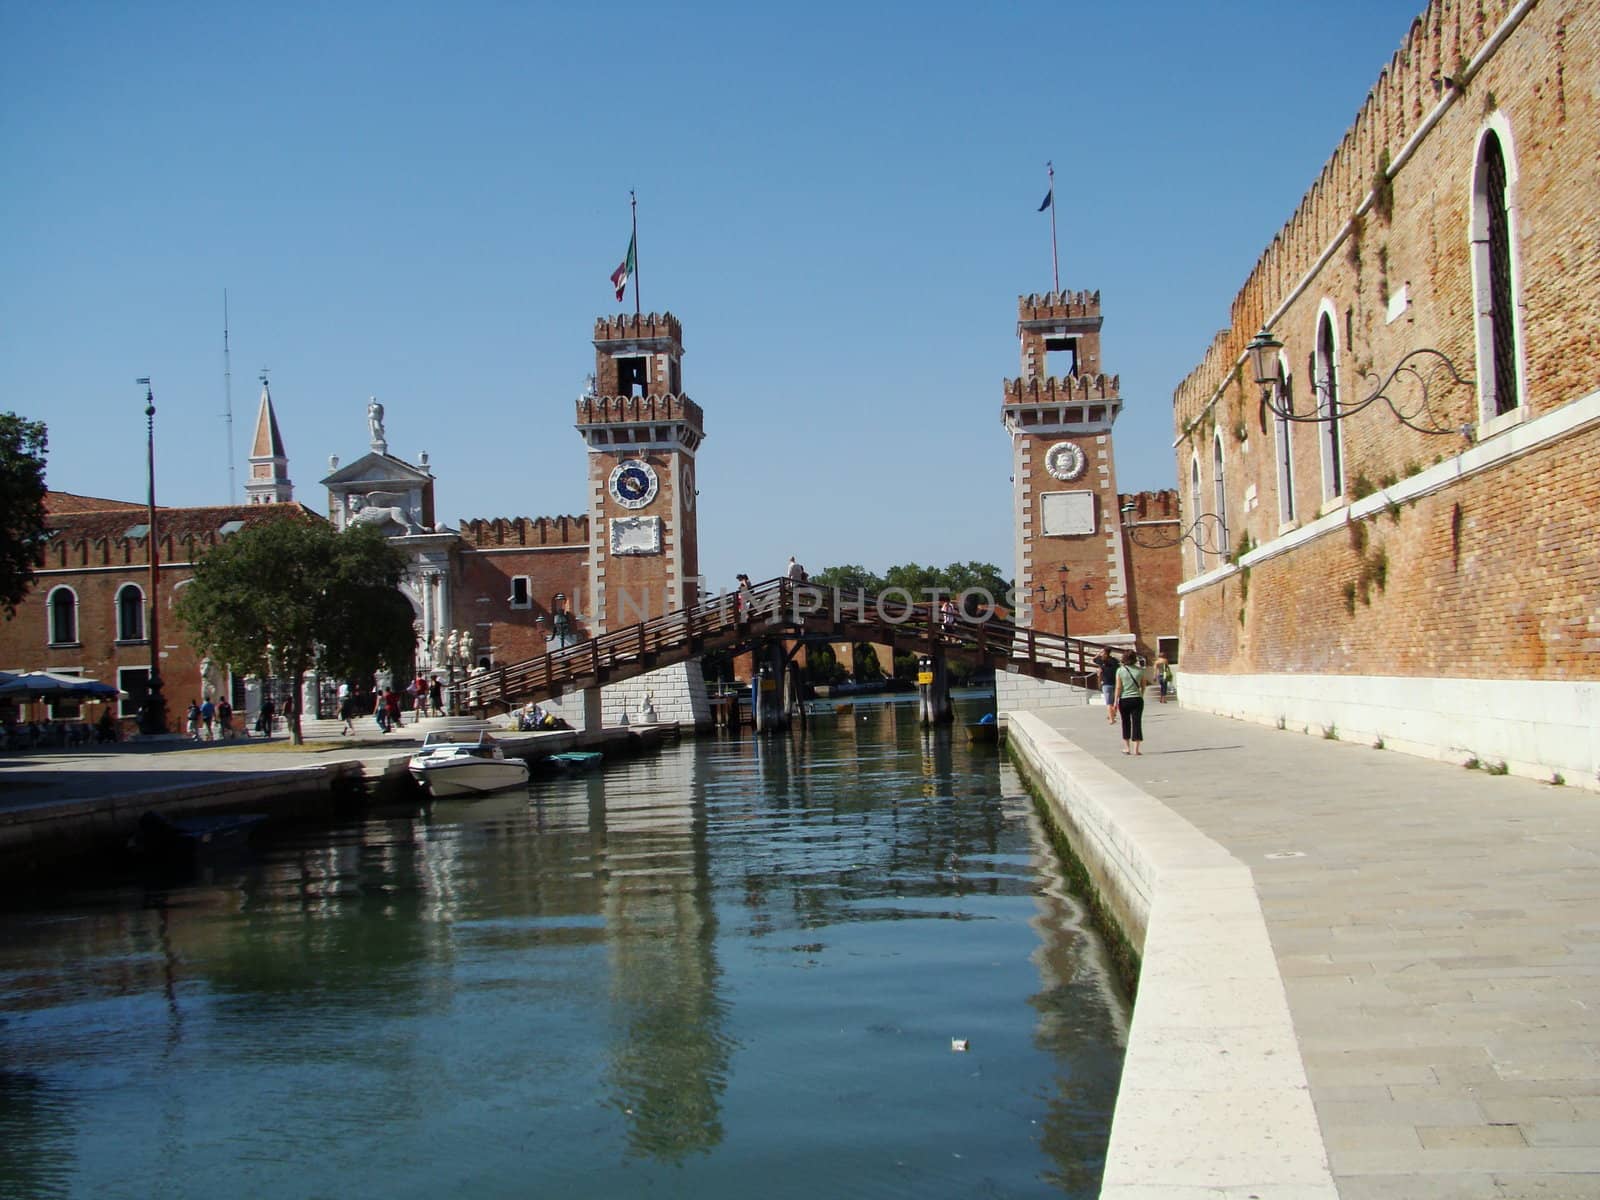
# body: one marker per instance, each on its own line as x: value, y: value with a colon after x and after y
x: 1492, y: 573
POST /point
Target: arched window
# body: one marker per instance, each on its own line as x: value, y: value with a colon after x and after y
x: 1281, y: 427
x: 1194, y: 512
x: 1220, y: 491
x: 63, y: 617
x: 1326, y: 374
x: 1493, y: 279
x: 130, y: 613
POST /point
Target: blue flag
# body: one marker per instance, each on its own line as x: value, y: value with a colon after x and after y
x: 1049, y: 198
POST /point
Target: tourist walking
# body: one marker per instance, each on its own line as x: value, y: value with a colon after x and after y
x: 1129, y: 696
x: 225, y: 720
x: 744, y: 598
x: 380, y: 709
x: 795, y: 571
x: 391, y: 703
x: 1107, y: 666
x: 1163, y: 676
x: 436, y: 696
x: 194, y: 720
x: 264, y: 719
x: 347, y: 710
x: 208, y: 716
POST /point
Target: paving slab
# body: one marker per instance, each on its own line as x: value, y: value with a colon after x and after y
x: 1437, y: 939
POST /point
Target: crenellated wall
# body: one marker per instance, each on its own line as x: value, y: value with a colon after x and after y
x: 609, y: 410
x: 1441, y: 53
x: 484, y: 532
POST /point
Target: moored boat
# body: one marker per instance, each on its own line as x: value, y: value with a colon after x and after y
x: 462, y: 763
x: 576, y: 760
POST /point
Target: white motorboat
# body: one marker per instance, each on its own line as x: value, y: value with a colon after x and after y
x: 465, y: 763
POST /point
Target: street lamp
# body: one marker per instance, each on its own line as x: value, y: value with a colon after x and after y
x: 1424, y: 369
x: 153, y: 719
x: 1063, y: 600
x: 1208, y: 531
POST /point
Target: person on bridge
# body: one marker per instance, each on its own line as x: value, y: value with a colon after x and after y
x: 744, y: 598
x: 795, y: 571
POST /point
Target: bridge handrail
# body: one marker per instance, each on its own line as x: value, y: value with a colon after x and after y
x: 776, y: 604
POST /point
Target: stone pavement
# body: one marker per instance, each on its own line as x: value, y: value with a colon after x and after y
x: 1437, y: 933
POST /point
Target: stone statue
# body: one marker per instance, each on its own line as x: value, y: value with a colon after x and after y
x: 375, y: 420
x: 466, y: 646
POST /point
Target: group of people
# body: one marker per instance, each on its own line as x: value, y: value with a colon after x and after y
x: 1122, y: 683
x: 207, y: 721
x: 388, y: 705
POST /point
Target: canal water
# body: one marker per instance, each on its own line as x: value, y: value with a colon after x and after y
x: 737, y: 967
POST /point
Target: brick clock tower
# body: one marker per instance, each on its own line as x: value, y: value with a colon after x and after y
x: 1066, y: 510
x: 642, y: 435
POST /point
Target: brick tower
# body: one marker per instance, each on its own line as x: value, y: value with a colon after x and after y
x: 642, y: 433
x: 1066, y: 510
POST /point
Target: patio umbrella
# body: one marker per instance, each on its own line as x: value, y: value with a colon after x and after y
x: 45, y: 685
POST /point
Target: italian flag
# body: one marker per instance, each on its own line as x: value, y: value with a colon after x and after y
x: 620, y: 277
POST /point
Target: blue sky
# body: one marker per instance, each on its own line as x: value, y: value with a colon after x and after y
x: 424, y: 202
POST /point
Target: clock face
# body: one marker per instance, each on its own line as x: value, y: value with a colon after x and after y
x: 633, y: 483
x: 687, y: 487
x: 1065, y: 460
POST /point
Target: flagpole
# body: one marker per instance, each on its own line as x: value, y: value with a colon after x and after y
x: 633, y: 203
x: 1055, y: 262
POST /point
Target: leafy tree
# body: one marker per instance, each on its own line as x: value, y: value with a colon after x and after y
x: 22, y: 515
x: 849, y: 578
x: 822, y: 665
x: 951, y: 581
x: 315, y: 597
x: 868, y: 669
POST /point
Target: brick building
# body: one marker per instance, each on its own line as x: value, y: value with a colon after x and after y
x: 1099, y: 564
x: 1420, y: 569
x: 88, y: 610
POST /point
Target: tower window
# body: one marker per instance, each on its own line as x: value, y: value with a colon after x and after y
x: 1060, y: 355
x: 633, y: 376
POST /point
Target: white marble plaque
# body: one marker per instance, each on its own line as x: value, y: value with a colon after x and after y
x: 1067, y: 514
x: 635, y: 535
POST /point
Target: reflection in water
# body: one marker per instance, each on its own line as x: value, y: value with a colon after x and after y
x: 732, y: 967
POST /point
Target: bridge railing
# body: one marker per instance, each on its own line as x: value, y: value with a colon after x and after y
x: 774, y: 606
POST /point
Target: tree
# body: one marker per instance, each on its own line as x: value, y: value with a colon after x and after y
x: 282, y: 597
x: 849, y: 578
x: 23, y: 520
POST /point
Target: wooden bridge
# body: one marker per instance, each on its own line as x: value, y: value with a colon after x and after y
x: 785, y: 612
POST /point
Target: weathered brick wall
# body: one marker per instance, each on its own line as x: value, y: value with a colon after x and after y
x: 1492, y: 576
x: 481, y: 597
x: 1496, y: 577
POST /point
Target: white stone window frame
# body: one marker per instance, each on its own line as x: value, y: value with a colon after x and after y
x: 1490, y: 422
x: 1330, y: 440
x: 140, y: 632
x: 1219, y: 491
x: 1283, y: 448
x: 1194, y: 514
x: 64, y: 708
x: 526, y: 602
x: 51, y: 631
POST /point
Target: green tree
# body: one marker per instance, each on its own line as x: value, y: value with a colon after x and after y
x: 22, y: 515
x: 849, y: 578
x: 307, y: 596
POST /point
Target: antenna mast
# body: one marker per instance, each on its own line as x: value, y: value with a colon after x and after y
x: 227, y: 395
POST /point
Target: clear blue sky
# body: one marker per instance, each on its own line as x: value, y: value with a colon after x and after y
x: 424, y: 202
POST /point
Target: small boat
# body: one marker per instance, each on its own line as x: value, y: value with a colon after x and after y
x: 187, y: 839
x: 577, y: 760
x: 463, y: 763
x: 983, y: 732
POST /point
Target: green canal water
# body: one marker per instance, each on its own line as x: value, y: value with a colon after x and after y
x: 730, y: 969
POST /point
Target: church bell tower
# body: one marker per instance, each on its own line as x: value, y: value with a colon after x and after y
x: 642, y: 433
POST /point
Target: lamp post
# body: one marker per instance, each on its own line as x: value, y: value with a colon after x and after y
x: 153, y: 719
x: 1063, y: 599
